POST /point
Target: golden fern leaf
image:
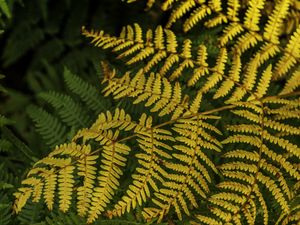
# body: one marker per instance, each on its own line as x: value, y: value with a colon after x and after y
x: 218, y: 73
x: 22, y: 197
x: 187, y: 62
x: 248, y: 80
x: 87, y: 170
x: 150, y: 172
x: 197, y: 15
x: 179, y: 12
x: 263, y: 84
x: 176, y: 165
x: 234, y: 76
x: 161, y: 47
x: 233, y: 10
x: 253, y: 14
x: 274, y: 189
x: 161, y: 50
x: 246, y: 41
x: 202, y: 66
x: 267, y: 51
x: 291, y: 55
x: 196, y: 12
x: 92, y: 196
x: 232, y: 30
x: 111, y: 170
x: 292, y: 83
x: 262, y: 203
x: 47, y: 180
x: 272, y: 29
x: 293, y: 215
x: 157, y: 91
x: 217, y: 20
x: 50, y: 184
x: 256, y: 165
x: 167, y: 4
x: 207, y: 220
x: 193, y: 166
x: 65, y: 187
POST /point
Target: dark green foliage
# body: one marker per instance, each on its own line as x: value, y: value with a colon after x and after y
x: 51, y: 129
x: 86, y: 92
x: 69, y: 111
x: 5, y: 213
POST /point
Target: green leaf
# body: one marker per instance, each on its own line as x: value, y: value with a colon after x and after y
x: 5, y: 9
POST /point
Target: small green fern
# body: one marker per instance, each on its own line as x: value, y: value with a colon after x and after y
x: 86, y: 92
x: 50, y: 127
x: 73, y: 110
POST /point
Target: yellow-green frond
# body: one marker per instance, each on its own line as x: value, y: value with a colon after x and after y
x: 275, y: 21
x: 253, y: 14
x: 292, y: 83
x: 290, y: 57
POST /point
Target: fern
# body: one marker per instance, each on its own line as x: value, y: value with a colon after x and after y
x: 50, y: 127
x: 85, y: 91
x: 232, y: 161
x: 247, y: 36
x: 5, y: 13
x: 70, y: 112
x: 5, y: 9
x: 5, y: 215
x: 265, y: 173
x: 159, y: 52
x: 73, y: 110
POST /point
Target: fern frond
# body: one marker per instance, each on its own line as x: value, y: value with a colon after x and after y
x: 233, y: 10
x: 202, y: 65
x: 262, y: 203
x: 21, y: 198
x: 193, y: 165
x: 232, y: 162
x: 253, y: 14
x: 87, y: 93
x: 273, y: 188
x: 112, y: 162
x: 159, y: 49
x: 50, y: 127
x: 150, y: 172
x: 256, y: 165
x: 246, y: 41
x: 292, y: 83
x: 263, y: 83
x: 70, y: 112
x: 234, y: 76
x: 57, y: 170
x: 272, y: 29
x: 218, y: 73
x: 248, y: 81
x: 156, y: 91
x: 180, y: 11
x: 230, y: 32
x: 87, y: 170
x: 196, y: 16
x: 65, y: 187
x: 293, y: 215
x: 291, y: 55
